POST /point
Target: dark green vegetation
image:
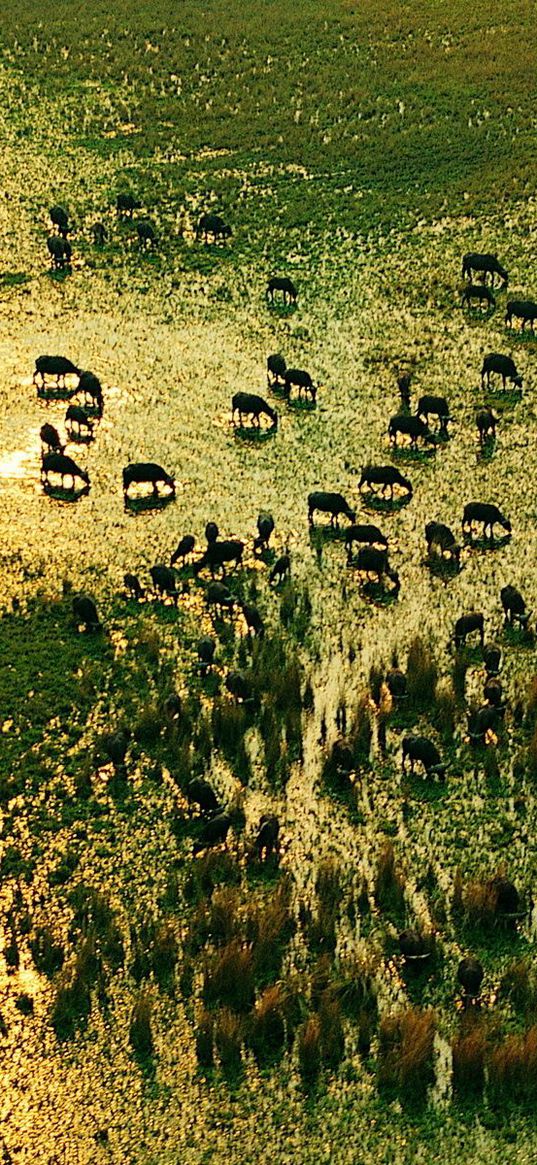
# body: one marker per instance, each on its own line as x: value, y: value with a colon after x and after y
x: 178, y: 1007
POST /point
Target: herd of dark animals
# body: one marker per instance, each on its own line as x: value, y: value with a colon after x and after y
x: 370, y: 559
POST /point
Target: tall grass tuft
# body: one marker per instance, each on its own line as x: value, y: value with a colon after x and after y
x: 228, y: 978
x: 228, y: 1036
x: 421, y: 673
x: 469, y: 1048
x: 309, y: 1049
x: 406, y: 1048
x: 512, y: 1069
x: 266, y: 1035
x: 140, y: 1034
x: 389, y: 883
x: 205, y: 1040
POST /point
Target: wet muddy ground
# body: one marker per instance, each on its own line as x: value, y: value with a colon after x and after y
x: 172, y: 336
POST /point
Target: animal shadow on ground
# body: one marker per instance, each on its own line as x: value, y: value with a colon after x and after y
x: 254, y: 434
x: 479, y: 542
x: 61, y: 494
x: 442, y: 567
x: 377, y: 593
x: 141, y: 505
x: 382, y: 505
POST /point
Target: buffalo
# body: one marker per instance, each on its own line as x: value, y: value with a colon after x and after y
x: 466, y: 625
x: 524, y: 310
x: 89, y: 386
x: 184, y: 547
x: 486, y: 265
x: 60, y: 252
x: 218, y: 596
x: 64, y: 466
x: 387, y: 476
x: 146, y: 233
x: 276, y: 368
x: 285, y: 285
x: 212, y: 224
x: 57, y: 367
x: 248, y: 404
x: 147, y: 473
x: 486, y: 514
x: 420, y: 749
x: 478, y: 292
x: 218, y: 554
x: 370, y: 560
x: 409, y: 426
x: 266, y: 841
x: 265, y: 527
x: 434, y: 406
x: 440, y: 538
x: 126, y: 204
x: 299, y: 378
x: 214, y: 832
x: 492, y: 658
x: 240, y: 686
x: 502, y: 366
x: 281, y: 570
x: 164, y: 580
x: 206, y: 649
x: 470, y: 976
x: 486, y: 422
x: 329, y: 503
x: 133, y: 586
x: 99, y: 233
x: 514, y: 606
x: 60, y: 219
x: 370, y: 535
x: 78, y: 424
x: 199, y: 792
x: 253, y: 620
x: 51, y: 438
x: 85, y: 613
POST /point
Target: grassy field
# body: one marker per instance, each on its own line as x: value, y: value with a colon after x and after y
x: 157, y: 1007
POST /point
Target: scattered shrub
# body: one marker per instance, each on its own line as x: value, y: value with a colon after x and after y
x: 266, y: 1034
x: 228, y: 1039
x: 309, y: 1049
x: 421, y: 674
x: 229, y: 977
x: 469, y: 1050
x: 406, y: 1047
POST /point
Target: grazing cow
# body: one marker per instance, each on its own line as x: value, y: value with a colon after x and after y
x: 281, y: 570
x: 371, y: 560
x: 57, y: 367
x: 100, y: 234
x: 214, y: 832
x: 329, y: 503
x: 51, y: 438
x: 370, y: 535
x: 147, y: 472
x: 126, y: 204
x: 412, y: 945
x: 64, y: 467
x: 486, y: 265
x: 470, y: 976
x: 440, y: 537
x: 479, y: 292
x: 397, y: 685
x: 419, y: 748
x: 524, y: 310
x: 266, y: 841
x: 184, y: 547
x: 218, y: 554
x: 493, y: 692
x: 211, y: 532
x: 387, y: 476
x: 486, y: 422
x: 134, y: 587
x: 434, y: 406
x: 78, y: 424
x: 164, y: 580
x: 285, y: 285
x: 276, y: 368
x: 60, y: 219
x: 248, y: 404
x: 219, y: 597
x: 265, y: 527
x: 483, y: 720
x: 146, y: 233
x: 300, y: 379
x: 239, y: 686
x: 487, y: 515
x: 199, y: 792
x: 206, y: 649
x: 90, y: 387
x: 212, y: 224
x: 514, y: 607
x: 466, y: 625
x: 60, y: 252
x: 253, y: 620
x: 492, y: 658
x: 503, y: 366
x: 412, y: 427
x: 85, y: 613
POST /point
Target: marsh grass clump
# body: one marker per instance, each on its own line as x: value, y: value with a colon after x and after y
x: 71, y: 1006
x: 228, y: 1038
x: 140, y: 1033
x: 48, y: 955
x: 406, y: 1050
x: 469, y: 1050
x: 269, y: 927
x: 356, y: 988
x: 331, y: 1031
x: 512, y: 1069
x: 148, y: 724
x: 445, y: 705
x: 389, y: 883
x: 519, y: 985
x: 228, y: 977
x: 222, y: 922
x: 204, y: 1036
x: 212, y: 869
x: 361, y: 732
x: 422, y: 674
x: 148, y: 642
x: 328, y: 884
x: 229, y: 722
x: 309, y: 1049
x: 164, y: 953
x: 266, y: 1031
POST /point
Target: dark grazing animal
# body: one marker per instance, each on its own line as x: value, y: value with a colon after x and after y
x: 493, y: 691
x: 370, y: 560
x: 329, y: 503
x: 266, y: 841
x: 276, y: 368
x: 184, y: 547
x: 486, y: 423
x: 503, y: 366
x: 466, y: 625
x: 164, y: 580
x: 206, y: 649
x: 412, y: 945
x: 77, y: 422
x: 60, y: 219
x: 412, y: 427
x: 100, y: 234
x: 218, y: 554
x: 212, y: 224
x: 422, y: 750
x: 240, y: 686
x: 387, y: 476
x: 483, y: 720
x: 85, y: 613
x: 265, y: 527
x: 253, y: 620
x: 370, y: 535
x: 479, y: 292
x: 285, y: 285
x: 114, y: 745
x: 487, y: 515
x: 281, y: 570
x: 486, y: 265
x: 51, y: 438
x: 434, y: 406
x: 126, y: 204
x: 470, y: 975
x: 397, y: 685
x: 524, y: 310
x: 507, y: 898
x: 172, y: 706
x: 146, y: 233
x: 147, y: 472
x: 134, y: 587
x: 514, y: 606
x: 248, y: 404
x: 217, y: 595
x: 57, y: 367
x: 211, y: 532
x: 64, y: 467
x: 89, y: 386
x: 441, y: 538
x: 492, y: 658
x: 299, y: 378
x: 199, y: 792
x: 214, y: 832
x: 60, y: 252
